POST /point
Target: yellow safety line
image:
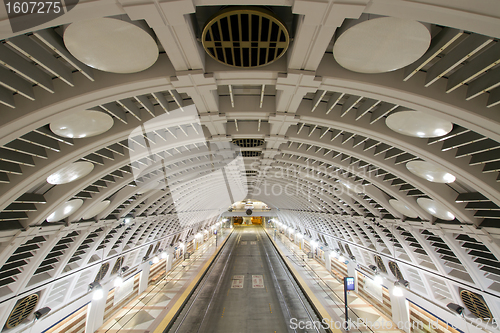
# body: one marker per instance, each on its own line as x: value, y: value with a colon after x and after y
x: 270, y: 308
x: 321, y: 309
x: 170, y: 315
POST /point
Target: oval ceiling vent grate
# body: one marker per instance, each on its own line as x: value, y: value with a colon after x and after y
x: 22, y: 310
x: 393, y: 266
x: 475, y: 304
x: 245, y: 37
x: 102, y: 272
x: 380, y: 264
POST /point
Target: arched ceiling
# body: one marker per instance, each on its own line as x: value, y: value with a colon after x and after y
x: 317, y: 149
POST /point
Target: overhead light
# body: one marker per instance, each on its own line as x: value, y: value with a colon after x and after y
x: 398, y: 287
x: 341, y: 258
x: 156, y: 260
x: 118, y: 281
x: 458, y: 309
x: 97, y: 292
x: 127, y: 219
x: 41, y: 312
x: 397, y: 291
x: 163, y: 255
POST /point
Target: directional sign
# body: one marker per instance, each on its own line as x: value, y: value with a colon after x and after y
x: 349, y: 283
x: 237, y: 281
x: 257, y: 281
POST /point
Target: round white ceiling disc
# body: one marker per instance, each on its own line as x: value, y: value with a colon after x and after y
x: 65, y: 210
x: 403, y: 209
x: 81, y: 124
x: 430, y: 172
x: 435, y: 209
x: 70, y: 173
x: 381, y: 45
x: 418, y: 124
x: 97, y: 209
x: 111, y: 45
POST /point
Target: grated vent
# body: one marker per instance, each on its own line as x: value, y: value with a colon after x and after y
x: 118, y: 264
x: 102, y: 272
x: 380, y: 264
x: 245, y: 37
x: 22, y: 310
x: 393, y: 266
x: 248, y: 143
x: 475, y: 303
x: 250, y: 153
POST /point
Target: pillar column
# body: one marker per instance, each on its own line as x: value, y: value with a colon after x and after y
x: 144, y: 278
x: 95, y: 312
x: 328, y: 261
x: 400, y: 311
x: 351, y: 271
x: 170, y: 260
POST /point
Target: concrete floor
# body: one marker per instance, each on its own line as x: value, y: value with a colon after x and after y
x: 248, y: 290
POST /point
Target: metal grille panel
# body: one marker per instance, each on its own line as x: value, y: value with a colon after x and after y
x: 245, y: 37
x: 22, y: 310
x: 393, y: 266
x: 102, y: 272
x: 248, y: 143
x: 475, y: 304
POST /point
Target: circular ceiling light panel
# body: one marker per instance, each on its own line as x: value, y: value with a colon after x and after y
x: 111, y: 45
x: 402, y: 208
x: 430, y: 172
x: 70, y: 173
x: 97, y: 209
x: 435, y: 209
x: 81, y: 124
x: 245, y: 37
x: 381, y: 45
x: 418, y: 124
x: 65, y: 210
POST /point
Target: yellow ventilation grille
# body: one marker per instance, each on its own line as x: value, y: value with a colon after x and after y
x: 475, y: 304
x: 116, y: 267
x: 395, y: 270
x: 22, y: 310
x: 102, y: 272
x: 245, y: 37
x: 380, y: 264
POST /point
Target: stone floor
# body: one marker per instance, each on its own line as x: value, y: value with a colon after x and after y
x: 145, y: 312
x: 330, y: 291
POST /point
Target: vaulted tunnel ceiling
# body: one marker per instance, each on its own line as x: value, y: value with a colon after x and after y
x: 308, y: 137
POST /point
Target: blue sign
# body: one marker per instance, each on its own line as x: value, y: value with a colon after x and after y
x: 349, y: 283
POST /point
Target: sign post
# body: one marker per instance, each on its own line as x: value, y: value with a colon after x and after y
x: 348, y: 286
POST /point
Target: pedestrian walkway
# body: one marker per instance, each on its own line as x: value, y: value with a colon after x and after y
x: 144, y: 313
x: 330, y: 291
